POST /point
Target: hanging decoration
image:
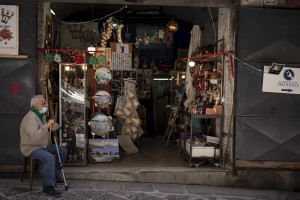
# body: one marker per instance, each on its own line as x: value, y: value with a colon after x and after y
x: 93, y: 60
x: 126, y: 109
x: 57, y: 58
x: 48, y: 57
x: 107, y: 31
x: 89, y: 37
x: 172, y: 26
x: 102, y: 59
x: 119, y: 34
x: 79, y: 59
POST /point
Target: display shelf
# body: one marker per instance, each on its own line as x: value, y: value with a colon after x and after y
x: 192, y: 150
x: 72, y: 112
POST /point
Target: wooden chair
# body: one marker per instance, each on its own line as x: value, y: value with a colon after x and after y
x: 33, y: 165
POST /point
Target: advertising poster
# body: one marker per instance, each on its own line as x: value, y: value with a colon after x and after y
x: 9, y: 36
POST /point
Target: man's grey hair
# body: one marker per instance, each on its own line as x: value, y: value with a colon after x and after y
x: 35, y: 99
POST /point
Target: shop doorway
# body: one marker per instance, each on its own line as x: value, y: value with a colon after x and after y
x: 151, y: 62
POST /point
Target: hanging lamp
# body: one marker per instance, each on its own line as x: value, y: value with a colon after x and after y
x: 172, y: 26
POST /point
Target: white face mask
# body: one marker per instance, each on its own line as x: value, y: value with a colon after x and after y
x: 44, y: 109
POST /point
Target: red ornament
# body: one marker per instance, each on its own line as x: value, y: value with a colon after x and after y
x: 79, y: 59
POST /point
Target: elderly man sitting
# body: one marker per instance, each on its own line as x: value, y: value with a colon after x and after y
x: 36, y: 143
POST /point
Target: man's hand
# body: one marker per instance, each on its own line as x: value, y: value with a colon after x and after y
x: 50, y: 122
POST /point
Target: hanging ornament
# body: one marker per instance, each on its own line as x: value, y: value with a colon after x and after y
x: 48, y: 57
x: 114, y: 23
x: 172, y: 26
x: 102, y: 59
x: 57, y: 58
x: 93, y: 60
x: 79, y: 59
x: 161, y: 34
x: 119, y: 34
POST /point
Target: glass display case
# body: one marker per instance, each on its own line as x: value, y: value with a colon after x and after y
x: 72, y: 112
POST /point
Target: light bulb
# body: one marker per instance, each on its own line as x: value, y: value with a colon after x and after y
x: 91, y: 49
x: 84, y: 67
x: 67, y: 68
x: 192, y: 63
x: 183, y: 76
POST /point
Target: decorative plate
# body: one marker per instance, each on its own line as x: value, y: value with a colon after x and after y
x: 102, y: 75
x: 101, y: 125
x: 102, y: 98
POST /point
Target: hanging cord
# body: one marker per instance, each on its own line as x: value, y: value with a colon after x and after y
x: 212, y: 21
x: 57, y: 38
x: 246, y: 63
x: 108, y: 15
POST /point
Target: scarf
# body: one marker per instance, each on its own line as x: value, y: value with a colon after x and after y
x: 37, y: 112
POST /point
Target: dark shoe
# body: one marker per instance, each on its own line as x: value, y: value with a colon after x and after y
x: 50, y: 191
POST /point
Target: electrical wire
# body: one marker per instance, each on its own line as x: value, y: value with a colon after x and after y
x: 246, y: 63
x: 212, y: 21
x: 93, y: 20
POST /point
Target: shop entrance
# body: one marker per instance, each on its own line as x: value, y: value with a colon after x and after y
x: 147, y: 59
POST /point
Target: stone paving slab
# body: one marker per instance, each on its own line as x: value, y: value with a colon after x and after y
x: 110, y: 190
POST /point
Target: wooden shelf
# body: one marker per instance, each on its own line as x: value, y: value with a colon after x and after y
x: 13, y: 56
x: 208, y: 59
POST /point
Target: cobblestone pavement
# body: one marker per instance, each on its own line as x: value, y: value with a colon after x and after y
x: 106, y: 190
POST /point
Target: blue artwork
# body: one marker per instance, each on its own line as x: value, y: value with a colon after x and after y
x: 103, y: 150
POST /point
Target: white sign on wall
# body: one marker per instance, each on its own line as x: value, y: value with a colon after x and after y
x: 9, y: 29
x: 287, y: 81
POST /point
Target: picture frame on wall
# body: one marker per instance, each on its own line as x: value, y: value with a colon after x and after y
x: 9, y: 30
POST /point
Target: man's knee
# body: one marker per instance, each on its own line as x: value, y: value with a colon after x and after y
x: 49, y: 158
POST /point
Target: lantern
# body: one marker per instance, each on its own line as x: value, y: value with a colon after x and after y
x: 172, y: 26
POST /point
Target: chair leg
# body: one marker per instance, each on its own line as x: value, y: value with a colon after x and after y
x: 31, y: 173
x: 24, y: 168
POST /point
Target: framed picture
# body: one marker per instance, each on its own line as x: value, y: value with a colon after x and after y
x: 9, y: 30
x: 115, y: 85
x: 103, y: 150
x: 129, y: 74
x: 116, y: 74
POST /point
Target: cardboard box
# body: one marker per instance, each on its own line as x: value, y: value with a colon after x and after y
x: 201, y: 151
x: 211, y: 139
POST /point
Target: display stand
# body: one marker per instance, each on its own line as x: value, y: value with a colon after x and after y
x: 72, y: 112
x: 197, y: 150
x: 102, y: 148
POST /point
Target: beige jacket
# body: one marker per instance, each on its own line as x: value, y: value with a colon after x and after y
x: 33, y: 133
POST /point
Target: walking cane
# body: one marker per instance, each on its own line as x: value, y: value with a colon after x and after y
x: 61, y: 165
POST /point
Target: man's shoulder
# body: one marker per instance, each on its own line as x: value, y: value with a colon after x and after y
x: 30, y: 114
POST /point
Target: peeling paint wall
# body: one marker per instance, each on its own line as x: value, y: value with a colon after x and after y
x: 43, y: 11
x: 227, y: 31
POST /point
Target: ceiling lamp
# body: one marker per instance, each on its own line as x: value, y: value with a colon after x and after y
x: 115, y: 23
x: 172, y: 26
x: 91, y: 49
